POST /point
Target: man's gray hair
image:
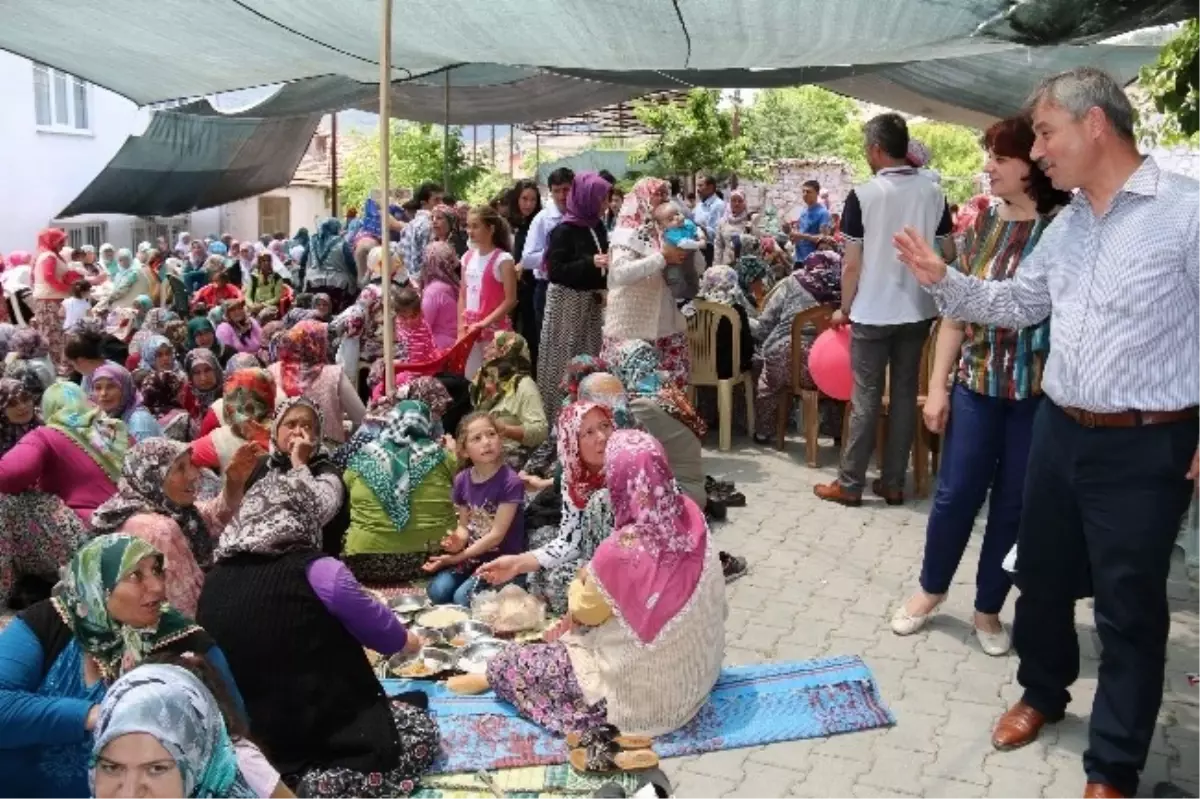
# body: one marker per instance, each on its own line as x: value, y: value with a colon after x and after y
x: 1079, y: 90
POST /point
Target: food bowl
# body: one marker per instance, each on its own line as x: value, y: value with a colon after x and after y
x: 474, y: 658
x: 442, y: 616
x: 428, y: 663
x: 430, y: 635
x: 466, y: 633
x: 408, y: 604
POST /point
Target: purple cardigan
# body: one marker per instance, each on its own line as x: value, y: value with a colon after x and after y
x: 370, y: 621
x: 229, y: 337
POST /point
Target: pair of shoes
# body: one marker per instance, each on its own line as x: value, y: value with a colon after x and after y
x: 728, y: 496
x: 1099, y: 790
x: 905, y: 623
x: 607, y: 756
x: 607, y: 733
x: 836, y: 492
x: 653, y: 782
x: 1019, y: 726
x: 890, y: 497
x: 994, y: 644
x: 715, y: 511
x: 732, y: 566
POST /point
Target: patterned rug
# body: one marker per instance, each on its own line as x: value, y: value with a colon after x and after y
x: 531, y: 782
x: 749, y: 706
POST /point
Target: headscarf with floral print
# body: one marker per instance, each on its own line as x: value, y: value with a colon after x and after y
x: 576, y: 370
x: 27, y: 343
x: 81, y: 599
x: 303, y: 354
x: 636, y: 230
x: 13, y: 390
x: 578, y: 481
x: 161, y: 392
x: 106, y: 441
x: 440, y: 265
x: 395, y: 464
x: 506, y: 362
x: 638, y: 366
x: 199, y: 400
x: 720, y: 284
x: 249, y: 397
x: 650, y: 565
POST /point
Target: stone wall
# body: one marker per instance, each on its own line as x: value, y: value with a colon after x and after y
x: 784, y: 190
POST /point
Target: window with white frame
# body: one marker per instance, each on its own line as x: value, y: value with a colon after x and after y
x: 60, y: 101
x: 81, y: 233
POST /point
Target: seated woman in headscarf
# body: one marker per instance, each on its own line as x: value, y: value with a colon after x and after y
x: 719, y: 284
x: 156, y: 501
x: 114, y: 393
x: 247, y: 406
x: 303, y: 368
x: 239, y: 331
x: 301, y: 309
x: 647, y: 618
x: 202, y: 334
x: 265, y: 291
x: 294, y: 623
x: 818, y: 281
x: 162, y: 394
x: 203, y: 387
x: 505, y: 388
x: 754, y: 276
x: 429, y: 390
x: 299, y: 418
x: 221, y: 289
x: 165, y: 715
x: 439, y: 293
x: 400, y: 506
x: 153, y: 324
x: 59, y: 657
x: 157, y: 354
x: 131, y: 280
x: 30, y: 346
x: 216, y: 412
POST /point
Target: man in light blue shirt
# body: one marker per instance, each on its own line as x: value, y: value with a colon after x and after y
x: 814, y: 222
x: 708, y: 212
x: 533, y: 257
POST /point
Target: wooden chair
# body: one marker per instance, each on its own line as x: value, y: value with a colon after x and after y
x: 702, y: 346
x: 818, y: 318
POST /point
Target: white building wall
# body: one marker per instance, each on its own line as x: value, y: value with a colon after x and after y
x: 308, y: 206
x: 42, y: 171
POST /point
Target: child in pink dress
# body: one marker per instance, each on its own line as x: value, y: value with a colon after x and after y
x: 488, y: 292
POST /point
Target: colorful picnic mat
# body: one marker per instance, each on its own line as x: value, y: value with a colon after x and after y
x: 749, y: 706
x: 530, y: 782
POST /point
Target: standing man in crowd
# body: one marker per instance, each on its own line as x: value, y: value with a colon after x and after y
x: 1113, y: 460
x: 707, y: 214
x: 889, y: 313
x: 814, y: 222
x: 415, y: 236
x: 534, y: 256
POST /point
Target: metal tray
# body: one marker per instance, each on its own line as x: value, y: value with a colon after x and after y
x: 437, y: 660
x: 466, y: 631
x: 408, y: 604
x: 421, y: 617
x: 474, y: 658
x: 429, y: 635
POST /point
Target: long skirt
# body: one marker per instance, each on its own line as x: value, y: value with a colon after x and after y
x: 539, y: 681
x: 48, y: 319
x: 38, y: 535
x: 419, y: 747
x: 673, y: 355
x: 572, y: 326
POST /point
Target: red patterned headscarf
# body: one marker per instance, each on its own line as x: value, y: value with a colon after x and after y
x: 578, y: 481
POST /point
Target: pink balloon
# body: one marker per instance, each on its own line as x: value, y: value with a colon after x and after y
x: 829, y: 363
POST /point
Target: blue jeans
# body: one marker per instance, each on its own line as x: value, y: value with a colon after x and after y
x: 451, y: 587
x: 986, y: 448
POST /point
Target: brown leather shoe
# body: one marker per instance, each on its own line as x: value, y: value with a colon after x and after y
x: 890, y: 497
x: 836, y: 492
x: 1098, y: 790
x: 1018, y: 727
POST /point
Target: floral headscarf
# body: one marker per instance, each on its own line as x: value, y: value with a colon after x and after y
x: 638, y: 366
x: 81, y: 599
x: 161, y: 392
x: 124, y: 380
x: 651, y: 564
x: 243, y: 360
x: 106, y: 441
x: 327, y: 237
x: 750, y: 268
x: 576, y: 370
x: 303, y: 354
x: 720, y: 284
x: 177, y: 333
x: 249, y: 397
x: 174, y: 707
x: 430, y: 391
x: 440, y: 264
x: 121, y: 323
x: 12, y: 390
x: 200, y: 400
x: 28, y: 344
x: 143, y: 476
x: 579, y: 482
x: 37, y: 374
x: 588, y: 197
x: 150, y: 347
x: 6, y: 333
x: 401, y: 458
x: 821, y: 276
x: 635, y: 228
x: 506, y: 362
x: 730, y: 216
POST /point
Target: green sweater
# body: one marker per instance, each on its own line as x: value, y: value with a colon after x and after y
x: 431, y: 515
x: 524, y: 407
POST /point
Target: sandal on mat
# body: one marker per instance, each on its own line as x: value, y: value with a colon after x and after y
x: 602, y: 757
x: 606, y: 733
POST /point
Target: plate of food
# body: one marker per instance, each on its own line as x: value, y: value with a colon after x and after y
x: 474, y: 658
x: 443, y: 616
x: 429, y: 662
x: 429, y: 635
x: 466, y: 632
x: 408, y: 604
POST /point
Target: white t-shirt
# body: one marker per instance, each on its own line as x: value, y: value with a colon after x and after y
x: 876, y: 211
x: 75, y: 309
x: 473, y: 265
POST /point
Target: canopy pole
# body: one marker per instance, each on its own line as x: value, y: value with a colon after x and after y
x: 537, y: 156
x: 446, y: 139
x: 333, y: 182
x: 385, y: 140
x: 512, y: 135
x: 492, y: 130
x: 474, y: 145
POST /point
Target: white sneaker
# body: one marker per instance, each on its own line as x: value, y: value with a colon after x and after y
x: 905, y: 623
x: 994, y: 644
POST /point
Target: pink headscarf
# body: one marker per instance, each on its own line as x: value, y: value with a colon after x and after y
x: 650, y: 565
x: 19, y: 258
x: 578, y: 482
x: 635, y: 228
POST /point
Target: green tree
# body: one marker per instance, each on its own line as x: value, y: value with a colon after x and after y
x: 485, y: 186
x: 415, y: 154
x: 955, y: 153
x: 1170, y: 85
x: 696, y: 136
x: 804, y: 122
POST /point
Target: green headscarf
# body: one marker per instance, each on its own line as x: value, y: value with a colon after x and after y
x: 399, y: 460
x: 195, y: 326
x: 81, y: 599
x: 105, y: 440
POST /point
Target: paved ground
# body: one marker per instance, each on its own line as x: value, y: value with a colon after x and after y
x: 824, y: 580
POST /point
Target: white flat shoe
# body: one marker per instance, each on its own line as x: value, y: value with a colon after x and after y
x: 994, y: 644
x: 905, y: 623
